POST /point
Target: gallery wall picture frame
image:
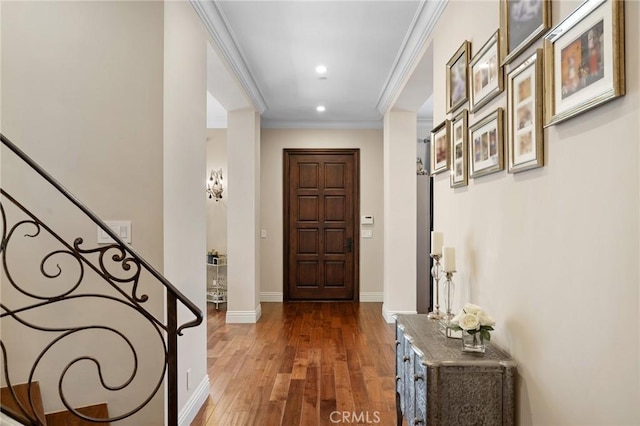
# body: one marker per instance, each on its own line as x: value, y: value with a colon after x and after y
x: 525, y: 135
x: 486, y: 73
x: 457, y: 77
x: 459, y: 156
x: 439, y: 152
x: 584, y: 60
x: 486, y: 142
x: 522, y: 22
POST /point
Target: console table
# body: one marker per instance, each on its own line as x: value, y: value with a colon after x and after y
x: 437, y: 384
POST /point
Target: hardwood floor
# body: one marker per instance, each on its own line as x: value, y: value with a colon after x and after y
x: 302, y: 364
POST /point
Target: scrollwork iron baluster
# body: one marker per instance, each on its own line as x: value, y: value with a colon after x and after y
x: 116, y: 264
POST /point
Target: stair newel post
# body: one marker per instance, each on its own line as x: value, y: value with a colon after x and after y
x: 172, y: 360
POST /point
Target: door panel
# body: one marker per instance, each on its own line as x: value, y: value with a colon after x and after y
x: 321, y: 209
x: 334, y: 241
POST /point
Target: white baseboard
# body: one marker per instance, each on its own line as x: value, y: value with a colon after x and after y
x: 372, y: 296
x: 193, y: 405
x: 271, y: 296
x: 388, y: 315
x: 244, y: 317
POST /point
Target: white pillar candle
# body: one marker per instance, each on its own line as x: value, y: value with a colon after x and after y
x: 449, y: 259
x: 436, y: 243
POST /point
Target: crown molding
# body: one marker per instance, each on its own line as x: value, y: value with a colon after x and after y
x: 216, y: 24
x: 421, y: 27
x: 291, y: 124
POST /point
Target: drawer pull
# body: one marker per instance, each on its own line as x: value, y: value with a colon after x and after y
x: 397, y: 342
x: 417, y: 421
x: 406, y: 358
x: 398, y: 378
x: 417, y: 377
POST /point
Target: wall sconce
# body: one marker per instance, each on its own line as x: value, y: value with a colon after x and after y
x: 214, y: 185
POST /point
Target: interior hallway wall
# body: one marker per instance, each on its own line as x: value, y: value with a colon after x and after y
x: 217, y: 210
x: 274, y: 141
x: 185, y: 223
x: 400, y: 214
x: 553, y: 253
x: 243, y: 219
x: 82, y: 94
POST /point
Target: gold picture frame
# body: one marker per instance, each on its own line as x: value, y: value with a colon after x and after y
x: 521, y: 24
x: 459, y: 157
x: 457, y: 78
x: 584, y: 60
x: 486, y: 79
x: 525, y: 136
x: 439, y: 151
x: 486, y: 141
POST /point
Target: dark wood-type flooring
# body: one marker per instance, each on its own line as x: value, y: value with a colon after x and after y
x: 302, y: 364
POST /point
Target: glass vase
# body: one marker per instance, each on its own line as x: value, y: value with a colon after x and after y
x: 472, y: 342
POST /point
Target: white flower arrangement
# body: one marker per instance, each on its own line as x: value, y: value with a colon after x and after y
x: 473, y: 319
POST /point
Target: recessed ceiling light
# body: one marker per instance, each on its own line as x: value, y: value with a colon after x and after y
x: 321, y: 69
x: 320, y: 108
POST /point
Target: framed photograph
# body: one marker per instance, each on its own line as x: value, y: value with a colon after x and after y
x: 486, y: 139
x: 457, y: 79
x: 584, y: 60
x: 524, y: 115
x: 459, y: 157
x: 521, y: 23
x: 486, y: 78
x: 440, y: 148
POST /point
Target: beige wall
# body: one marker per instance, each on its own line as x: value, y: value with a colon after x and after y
x: 217, y: 211
x: 185, y: 68
x: 553, y: 253
x: 86, y: 103
x: 370, y: 144
x: 243, y: 220
x: 400, y: 213
x: 90, y: 104
x: 0, y: 90
x: 87, y: 84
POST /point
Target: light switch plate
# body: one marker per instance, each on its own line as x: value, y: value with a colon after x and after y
x: 367, y: 233
x: 122, y: 228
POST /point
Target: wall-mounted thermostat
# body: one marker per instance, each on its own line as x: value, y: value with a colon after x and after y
x: 367, y: 220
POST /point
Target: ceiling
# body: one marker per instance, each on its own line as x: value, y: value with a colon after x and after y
x: 273, y: 48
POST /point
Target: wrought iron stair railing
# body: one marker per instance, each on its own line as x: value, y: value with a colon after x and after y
x: 115, y: 268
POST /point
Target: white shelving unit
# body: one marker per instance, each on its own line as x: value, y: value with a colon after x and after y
x: 217, y: 287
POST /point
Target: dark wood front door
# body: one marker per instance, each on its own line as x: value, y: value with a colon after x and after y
x: 321, y: 210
